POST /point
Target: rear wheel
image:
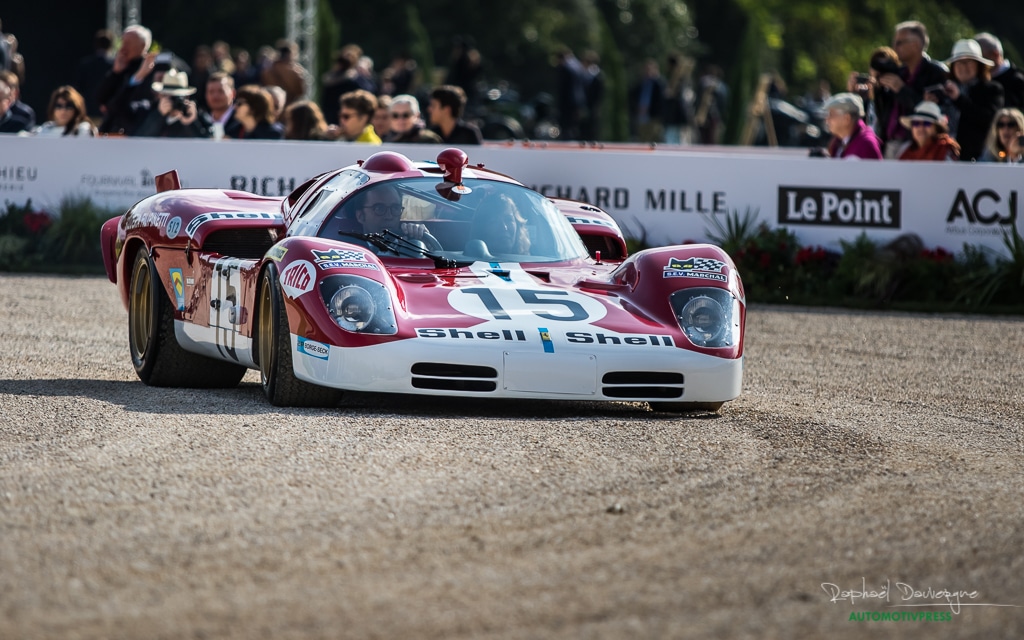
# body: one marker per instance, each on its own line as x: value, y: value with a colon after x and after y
x: 158, y: 358
x: 686, y: 407
x: 274, y: 347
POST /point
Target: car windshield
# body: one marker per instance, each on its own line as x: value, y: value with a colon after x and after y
x: 481, y: 220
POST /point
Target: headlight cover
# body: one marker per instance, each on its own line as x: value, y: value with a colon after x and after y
x: 358, y: 304
x: 710, y: 317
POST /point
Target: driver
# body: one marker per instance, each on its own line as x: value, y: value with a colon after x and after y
x: 379, y: 209
x: 501, y: 226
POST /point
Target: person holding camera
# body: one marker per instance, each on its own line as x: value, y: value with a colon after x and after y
x: 174, y: 115
x: 1005, y: 141
x: 907, y: 83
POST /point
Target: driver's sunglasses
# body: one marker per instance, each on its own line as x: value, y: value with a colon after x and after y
x: 386, y: 210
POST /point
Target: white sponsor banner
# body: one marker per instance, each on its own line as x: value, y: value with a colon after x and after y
x: 666, y: 195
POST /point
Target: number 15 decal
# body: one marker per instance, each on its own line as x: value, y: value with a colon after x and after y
x: 507, y: 304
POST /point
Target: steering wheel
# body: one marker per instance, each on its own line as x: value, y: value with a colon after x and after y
x: 432, y: 244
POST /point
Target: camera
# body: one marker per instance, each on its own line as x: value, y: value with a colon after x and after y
x: 885, y: 65
x: 178, y: 103
x: 938, y: 91
x: 863, y: 78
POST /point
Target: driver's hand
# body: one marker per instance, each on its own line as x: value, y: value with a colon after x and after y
x: 413, y: 230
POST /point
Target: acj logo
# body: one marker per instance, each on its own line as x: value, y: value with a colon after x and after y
x: 986, y: 207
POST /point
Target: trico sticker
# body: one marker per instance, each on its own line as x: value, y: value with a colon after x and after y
x: 173, y: 227
x: 178, y: 282
x: 313, y: 348
x: 298, y: 278
x: 703, y: 268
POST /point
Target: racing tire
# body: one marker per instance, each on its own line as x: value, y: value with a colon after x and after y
x: 686, y: 407
x: 158, y: 359
x: 274, y: 352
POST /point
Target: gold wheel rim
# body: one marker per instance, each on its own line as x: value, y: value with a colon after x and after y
x: 266, y: 330
x: 142, y: 309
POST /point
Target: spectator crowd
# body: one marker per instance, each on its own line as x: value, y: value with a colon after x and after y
x: 908, y: 106
x: 905, y: 106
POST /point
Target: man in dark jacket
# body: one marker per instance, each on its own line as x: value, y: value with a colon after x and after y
x: 126, y: 91
x: 1003, y: 72
x: 447, y: 104
x: 919, y: 72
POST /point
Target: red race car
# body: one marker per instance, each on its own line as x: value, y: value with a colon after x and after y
x: 433, y: 278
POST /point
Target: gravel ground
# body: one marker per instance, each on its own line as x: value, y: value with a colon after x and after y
x: 867, y: 448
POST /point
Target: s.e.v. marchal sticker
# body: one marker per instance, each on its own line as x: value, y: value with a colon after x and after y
x: 704, y: 268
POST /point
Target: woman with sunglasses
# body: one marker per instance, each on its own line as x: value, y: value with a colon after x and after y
x: 65, y: 116
x: 929, y: 135
x: 406, y: 124
x: 1003, y: 143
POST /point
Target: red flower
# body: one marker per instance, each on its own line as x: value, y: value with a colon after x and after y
x: 37, y: 221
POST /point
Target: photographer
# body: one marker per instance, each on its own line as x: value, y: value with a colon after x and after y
x: 174, y: 115
x: 879, y: 100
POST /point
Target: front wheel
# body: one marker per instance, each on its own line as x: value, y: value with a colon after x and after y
x: 157, y: 357
x: 274, y: 349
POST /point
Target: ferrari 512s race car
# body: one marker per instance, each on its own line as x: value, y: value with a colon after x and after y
x: 410, y: 277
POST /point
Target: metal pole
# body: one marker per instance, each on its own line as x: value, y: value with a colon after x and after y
x: 134, y: 13
x: 300, y: 28
x: 114, y: 17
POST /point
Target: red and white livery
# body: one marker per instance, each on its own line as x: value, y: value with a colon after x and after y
x: 433, y: 278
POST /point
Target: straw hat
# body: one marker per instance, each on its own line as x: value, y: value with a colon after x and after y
x: 175, y: 84
x: 968, y: 50
x: 926, y: 111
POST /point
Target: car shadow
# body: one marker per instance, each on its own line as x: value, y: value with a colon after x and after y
x: 247, y: 398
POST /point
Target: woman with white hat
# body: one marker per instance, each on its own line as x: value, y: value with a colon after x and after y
x: 929, y: 135
x: 974, y: 95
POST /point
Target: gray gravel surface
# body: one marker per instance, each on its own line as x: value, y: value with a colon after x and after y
x: 866, y: 448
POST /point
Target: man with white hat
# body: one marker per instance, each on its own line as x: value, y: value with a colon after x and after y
x: 853, y: 138
x: 974, y: 95
x: 174, y: 116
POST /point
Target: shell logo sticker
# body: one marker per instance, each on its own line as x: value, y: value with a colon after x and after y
x: 298, y: 278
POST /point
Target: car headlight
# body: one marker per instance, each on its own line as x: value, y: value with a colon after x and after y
x: 708, y: 316
x: 358, y: 304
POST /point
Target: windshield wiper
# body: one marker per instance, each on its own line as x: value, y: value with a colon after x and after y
x: 390, y: 241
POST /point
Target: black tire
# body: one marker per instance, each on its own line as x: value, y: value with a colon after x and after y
x: 158, y: 358
x: 274, y: 351
x: 686, y: 407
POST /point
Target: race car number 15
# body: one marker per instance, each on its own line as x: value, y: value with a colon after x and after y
x: 507, y: 304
